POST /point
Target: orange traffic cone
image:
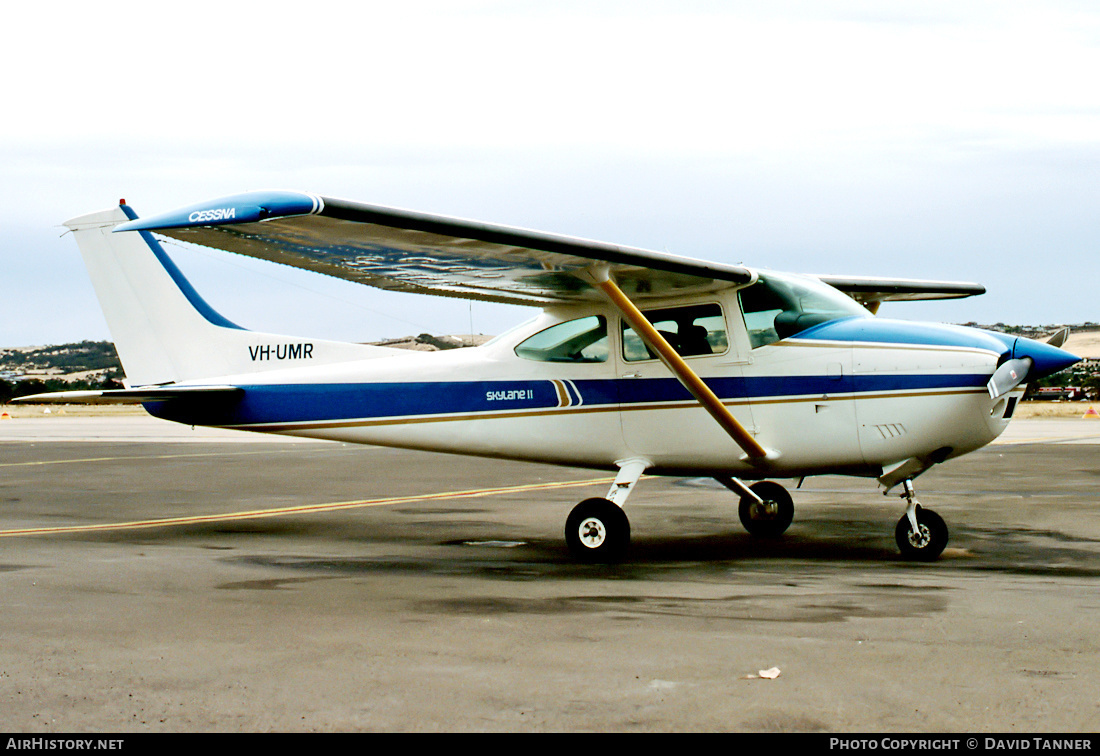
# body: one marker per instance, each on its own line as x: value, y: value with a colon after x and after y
x: 1091, y: 415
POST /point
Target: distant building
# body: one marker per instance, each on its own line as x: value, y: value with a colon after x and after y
x: 1059, y: 393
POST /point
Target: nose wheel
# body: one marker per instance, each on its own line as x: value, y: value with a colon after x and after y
x: 921, y: 534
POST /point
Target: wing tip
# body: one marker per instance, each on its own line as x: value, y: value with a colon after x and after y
x: 249, y: 207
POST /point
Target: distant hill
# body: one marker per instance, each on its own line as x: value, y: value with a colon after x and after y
x: 60, y: 359
x: 1084, y: 344
x: 58, y: 367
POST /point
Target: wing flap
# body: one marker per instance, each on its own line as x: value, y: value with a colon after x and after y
x: 403, y: 250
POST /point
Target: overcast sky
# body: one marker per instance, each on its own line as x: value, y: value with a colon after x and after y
x: 949, y: 140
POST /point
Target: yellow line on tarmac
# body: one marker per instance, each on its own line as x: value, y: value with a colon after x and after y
x: 37, y: 463
x: 304, y: 509
x: 1042, y: 440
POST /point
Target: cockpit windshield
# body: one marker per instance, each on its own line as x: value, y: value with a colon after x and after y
x: 778, y: 306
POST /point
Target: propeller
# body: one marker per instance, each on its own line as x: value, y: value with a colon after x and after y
x: 1008, y: 376
x: 1058, y: 339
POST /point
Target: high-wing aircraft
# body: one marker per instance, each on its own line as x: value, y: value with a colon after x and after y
x: 639, y: 362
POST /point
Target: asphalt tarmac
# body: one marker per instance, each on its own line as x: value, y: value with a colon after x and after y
x: 384, y: 590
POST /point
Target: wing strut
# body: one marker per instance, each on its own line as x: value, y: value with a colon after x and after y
x: 683, y: 372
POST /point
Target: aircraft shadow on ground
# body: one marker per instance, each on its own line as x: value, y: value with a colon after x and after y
x: 486, y: 547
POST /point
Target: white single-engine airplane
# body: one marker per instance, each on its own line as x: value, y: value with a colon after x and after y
x: 640, y: 362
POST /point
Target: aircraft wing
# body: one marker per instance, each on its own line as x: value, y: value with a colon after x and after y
x: 870, y: 292
x: 429, y: 254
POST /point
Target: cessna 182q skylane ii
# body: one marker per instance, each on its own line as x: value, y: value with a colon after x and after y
x: 640, y: 362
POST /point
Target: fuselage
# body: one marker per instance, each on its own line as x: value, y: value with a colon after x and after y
x: 853, y: 394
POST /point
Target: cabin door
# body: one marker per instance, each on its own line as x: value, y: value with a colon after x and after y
x: 663, y: 422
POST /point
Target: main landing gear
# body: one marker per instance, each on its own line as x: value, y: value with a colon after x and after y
x: 766, y: 509
x: 597, y: 530
x: 921, y: 533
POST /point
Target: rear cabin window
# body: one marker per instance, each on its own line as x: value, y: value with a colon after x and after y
x: 580, y: 340
x: 692, y: 331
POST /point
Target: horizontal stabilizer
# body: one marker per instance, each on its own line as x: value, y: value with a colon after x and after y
x: 131, y: 396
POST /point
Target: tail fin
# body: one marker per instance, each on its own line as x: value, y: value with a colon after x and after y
x: 163, y: 330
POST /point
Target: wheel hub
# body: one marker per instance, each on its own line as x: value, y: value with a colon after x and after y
x: 765, y: 511
x: 920, y: 537
x: 592, y: 532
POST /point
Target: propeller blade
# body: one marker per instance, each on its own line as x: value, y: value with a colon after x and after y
x: 1058, y: 339
x: 1008, y: 376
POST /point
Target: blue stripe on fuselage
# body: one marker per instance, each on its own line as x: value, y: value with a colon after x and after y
x: 760, y: 388
x: 282, y: 404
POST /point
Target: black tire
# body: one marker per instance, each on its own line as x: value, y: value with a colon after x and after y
x: 771, y: 520
x: 597, y: 530
x: 929, y: 543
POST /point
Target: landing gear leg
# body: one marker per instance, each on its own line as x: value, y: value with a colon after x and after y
x: 766, y: 509
x: 598, y: 530
x: 921, y: 534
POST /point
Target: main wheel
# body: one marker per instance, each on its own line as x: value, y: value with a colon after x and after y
x: 597, y: 530
x: 772, y: 518
x: 929, y: 540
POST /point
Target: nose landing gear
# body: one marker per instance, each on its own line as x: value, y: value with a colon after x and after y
x: 921, y: 534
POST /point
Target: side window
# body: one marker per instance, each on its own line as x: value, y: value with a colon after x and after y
x: 692, y: 331
x: 580, y: 340
x: 760, y: 304
x: 777, y: 307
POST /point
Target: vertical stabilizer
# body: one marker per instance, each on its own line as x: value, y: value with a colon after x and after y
x: 163, y: 330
